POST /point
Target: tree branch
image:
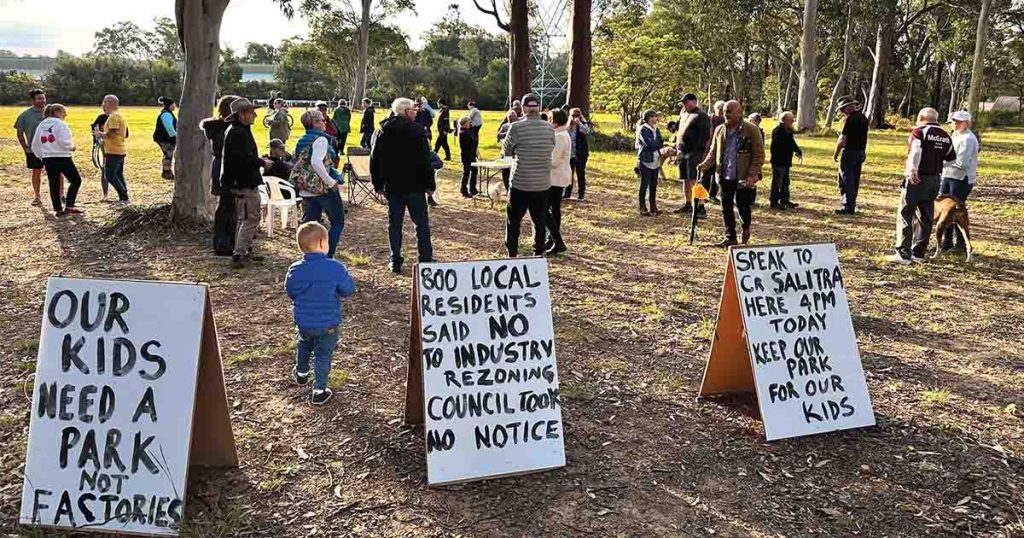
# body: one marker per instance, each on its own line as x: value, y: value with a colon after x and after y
x: 493, y: 12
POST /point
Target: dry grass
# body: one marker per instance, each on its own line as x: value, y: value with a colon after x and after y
x: 634, y: 310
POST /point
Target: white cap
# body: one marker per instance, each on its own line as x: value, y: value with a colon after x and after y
x: 960, y: 115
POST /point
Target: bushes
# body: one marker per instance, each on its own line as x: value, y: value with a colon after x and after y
x: 14, y: 87
x: 85, y: 80
x: 997, y: 118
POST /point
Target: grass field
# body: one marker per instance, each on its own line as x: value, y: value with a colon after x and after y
x: 634, y: 309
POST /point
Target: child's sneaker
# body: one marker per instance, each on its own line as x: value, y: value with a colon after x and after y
x: 321, y: 397
x: 299, y: 378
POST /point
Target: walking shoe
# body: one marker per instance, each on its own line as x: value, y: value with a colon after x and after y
x: 727, y: 242
x: 238, y: 262
x: 644, y: 212
x: 844, y: 211
x: 896, y: 258
x: 431, y: 201
x: 74, y: 211
x: 791, y: 205
x: 123, y: 203
x: 60, y: 213
x: 465, y: 193
x: 684, y: 209
x: 37, y: 201
x: 655, y: 210
x: 702, y: 212
x: 298, y: 377
x: 395, y: 267
x: 320, y: 397
x: 555, y: 250
x: 580, y: 199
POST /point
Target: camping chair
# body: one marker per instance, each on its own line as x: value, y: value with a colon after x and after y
x: 357, y: 168
x: 287, y: 206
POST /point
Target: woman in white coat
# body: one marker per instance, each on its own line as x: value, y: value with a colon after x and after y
x: 561, y: 177
x: 53, y: 144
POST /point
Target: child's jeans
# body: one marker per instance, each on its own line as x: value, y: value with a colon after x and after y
x: 320, y: 344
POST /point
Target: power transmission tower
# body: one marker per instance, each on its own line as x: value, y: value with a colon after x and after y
x: 549, y: 44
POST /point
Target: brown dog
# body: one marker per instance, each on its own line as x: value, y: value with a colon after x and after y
x: 666, y: 155
x: 951, y: 212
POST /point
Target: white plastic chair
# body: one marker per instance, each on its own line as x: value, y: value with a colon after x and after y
x: 275, y: 188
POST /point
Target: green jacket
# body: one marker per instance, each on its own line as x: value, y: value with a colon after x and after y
x: 749, y: 153
x: 280, y: 124
x: 342, y: 119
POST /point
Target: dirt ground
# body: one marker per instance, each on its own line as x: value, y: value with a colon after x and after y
x: 634, y: 311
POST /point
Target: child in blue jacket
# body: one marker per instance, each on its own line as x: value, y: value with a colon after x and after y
x: 316, y: 285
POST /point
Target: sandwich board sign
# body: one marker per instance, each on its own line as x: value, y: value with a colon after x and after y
x: 128, y: 392
x: 784, y: 331
x: 483, y: 378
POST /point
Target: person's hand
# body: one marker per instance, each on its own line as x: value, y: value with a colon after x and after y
x: 702, y: 167
x: 913, y: 178
x: 752, y: 180
x: 336, y: 186
x: 800, y: 159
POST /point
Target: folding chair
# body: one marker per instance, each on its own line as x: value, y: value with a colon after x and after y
x: 360, y: 187
x: 287, y: 206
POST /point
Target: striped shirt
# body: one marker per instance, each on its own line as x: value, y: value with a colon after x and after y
x: 530, y: 142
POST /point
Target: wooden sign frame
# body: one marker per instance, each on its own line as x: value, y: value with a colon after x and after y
x: 212, y: 442
x: 730, y: 369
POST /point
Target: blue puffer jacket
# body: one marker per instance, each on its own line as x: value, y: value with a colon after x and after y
x: 316, y: 285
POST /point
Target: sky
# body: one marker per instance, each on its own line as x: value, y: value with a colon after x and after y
x: 69, y: 25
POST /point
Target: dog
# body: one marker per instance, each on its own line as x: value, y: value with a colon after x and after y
x: 951, y: 212
x: 666, y: 156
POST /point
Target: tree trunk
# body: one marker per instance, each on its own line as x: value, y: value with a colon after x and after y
x: 199, y: 33
x: 830, y: 114
x: 937, y: 84
x: 362, y: 52
x: 789, y: 90
x: 977, y: 70
x: 876, y: 98
x: 807, y: 96
x: 519, y: 49
x: 580, y: 56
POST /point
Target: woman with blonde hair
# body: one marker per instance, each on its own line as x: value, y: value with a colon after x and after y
x: 53, y: 144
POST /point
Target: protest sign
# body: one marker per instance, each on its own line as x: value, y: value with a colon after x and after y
x: 784, y: 331
x: 482, y: 370
x: 128, y: 392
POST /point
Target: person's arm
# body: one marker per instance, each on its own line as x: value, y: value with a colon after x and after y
x: 346, y: 286
x: 648, y: 140
x: 316, y: 160
x: 23, y: 139
x: 289, y: 285
x: 35, y: 147
x: 168, y: 121
x: 560, y: 156
x: 508, y: 146
x: 757, y: 163
x: 950, y: 153
x: 64, y: 139
x: 914, y: 156
x: 376, y: 175
x: 712, y: 155
x: 796, y: 148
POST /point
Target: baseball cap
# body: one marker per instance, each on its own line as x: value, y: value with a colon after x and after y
x: 276, y: 144
x: 321, y: 104
x: 960, y: 115
x: 241, y: 104
x: 531, y: 100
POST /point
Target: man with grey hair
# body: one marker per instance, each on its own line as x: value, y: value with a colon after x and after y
x: 529, y: 144
x: 401, y: 170
x: 929, y: 148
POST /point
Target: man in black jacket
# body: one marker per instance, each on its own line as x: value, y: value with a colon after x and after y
x: 242, y: 175
x: 783, y: 148
x: 694, y: 139
x: 444, y: 126
x: 400, y: 168
x: 366, y: 125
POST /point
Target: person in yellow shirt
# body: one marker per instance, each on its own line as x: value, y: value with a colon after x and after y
x: 114, y: 133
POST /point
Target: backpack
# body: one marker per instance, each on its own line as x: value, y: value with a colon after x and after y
x: 304, y: 177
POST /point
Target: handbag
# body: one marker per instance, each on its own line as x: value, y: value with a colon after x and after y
x: 304, y: 177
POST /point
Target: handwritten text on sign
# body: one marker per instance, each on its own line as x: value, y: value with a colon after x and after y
x: 112, y: 405
x: 802, y: 344
x: 489, y: 371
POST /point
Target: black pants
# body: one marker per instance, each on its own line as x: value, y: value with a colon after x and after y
x: 780, y: 186
x: 648, y: 186
x: 365, y: 140
x: 741, y: 199
x: 554, y: 215
x: 469, y: 175
x: 224, y: 225
x: 708, y: 180
x: 442, y: 143
x: 506, y: 174
x: 55, y: 166
x: 342, y: 141
x: 519, y: 202
x: 579, y: 168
